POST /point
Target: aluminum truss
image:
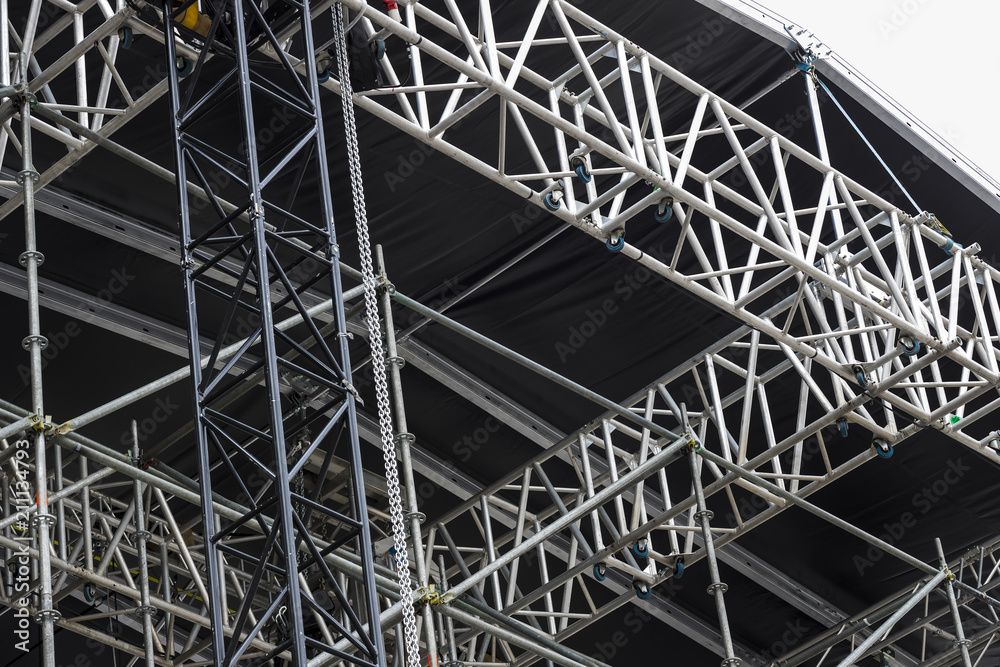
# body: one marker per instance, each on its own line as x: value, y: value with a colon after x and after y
x: 870, y: 300
x: 841, y: 298
x: 273, y: 236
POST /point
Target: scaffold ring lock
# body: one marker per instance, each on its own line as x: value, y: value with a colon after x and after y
x: 720, y: 586
x: 21, y: 175
x: 141, y: 609
x: 40, y: 518
x: 47, y: 614
x: 732, y: 662
x: 419, y: 516
x: 408, y: 438
x: 23, y: 258
x: 28, y: 341
x: 705, y: 514
x: 396, y: 361
x: 142, y: 535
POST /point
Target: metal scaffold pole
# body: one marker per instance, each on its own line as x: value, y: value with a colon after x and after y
x: 890, y: 622
x: 34, y: 343
x: 141, y: 537
x: 404, y: 440
x: 717, y: 589
x: 960, y: 641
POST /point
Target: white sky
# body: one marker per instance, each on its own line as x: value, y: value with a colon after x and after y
x: 938, y: 58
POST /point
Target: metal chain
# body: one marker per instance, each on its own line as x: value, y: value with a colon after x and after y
x: 375, y: 339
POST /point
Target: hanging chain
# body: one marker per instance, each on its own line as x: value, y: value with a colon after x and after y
x: 375, y: 338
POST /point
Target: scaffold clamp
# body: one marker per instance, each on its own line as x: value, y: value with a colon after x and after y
x: 42, y: 425
x: 429, y: 596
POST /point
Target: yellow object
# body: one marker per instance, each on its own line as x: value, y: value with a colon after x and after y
x: 190, y: 16
x: 195, y: 21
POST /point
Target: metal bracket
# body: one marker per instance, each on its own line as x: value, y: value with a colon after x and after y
x: 357, y: 396
x: 809, y: 46
x: 382, y: 283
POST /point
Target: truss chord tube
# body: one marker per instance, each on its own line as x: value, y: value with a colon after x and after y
x: 520, y: 628
x: 821, y: 513
x: 548, y: 650
x: 652, y: 464
x: 886, y: 627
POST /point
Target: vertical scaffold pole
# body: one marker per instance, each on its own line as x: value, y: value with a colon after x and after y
x: 34, y: 343
x: 141, y: 537
x: 960, y: 641
x: 716, y: 588
x: 404, y: 439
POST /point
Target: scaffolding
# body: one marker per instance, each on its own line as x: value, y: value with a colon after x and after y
x: 872, y: 328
